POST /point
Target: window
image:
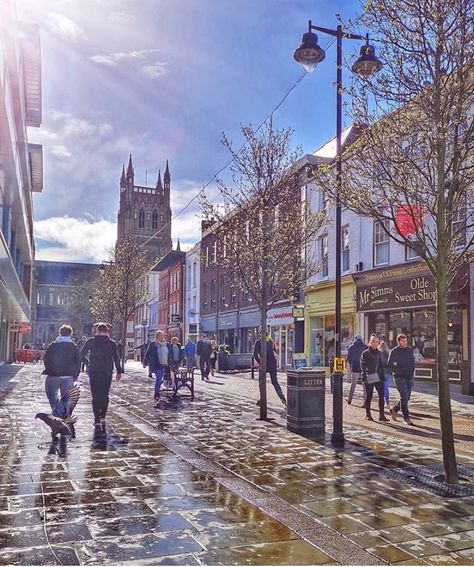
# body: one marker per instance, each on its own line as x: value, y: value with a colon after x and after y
x: 323, y: 255
x: 381, y: 243
x: 204, y: 295
x: 207, y: 257
x: 345, y: 249
x: 213, y: 293
x: 410, y: 253
x: 233, y: 288
x: 224, y: 246
x: 223, y: 292
x: 194, y: 274
x: 214, y: 252
x: 141, y: 219
x: 459, y: 226
x: 154, y: 220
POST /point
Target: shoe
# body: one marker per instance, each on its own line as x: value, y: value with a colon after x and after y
x: 393, y: 414
x: 202, y: 378
x: 408, y: 421
x: 382, y: 418
x: 349, y: 401
x: 369, y: 417
x: 258, y: 403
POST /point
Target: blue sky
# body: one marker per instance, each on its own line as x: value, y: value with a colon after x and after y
x: 163, y: 79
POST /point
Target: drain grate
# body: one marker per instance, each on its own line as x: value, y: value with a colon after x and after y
x: 426, y: 478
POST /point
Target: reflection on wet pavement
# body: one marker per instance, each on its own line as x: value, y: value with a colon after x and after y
x: 121, y: 495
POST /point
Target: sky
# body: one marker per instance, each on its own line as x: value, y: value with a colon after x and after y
x: 163, y: 80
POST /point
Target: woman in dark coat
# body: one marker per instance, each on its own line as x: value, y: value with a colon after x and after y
x: 371, y: 363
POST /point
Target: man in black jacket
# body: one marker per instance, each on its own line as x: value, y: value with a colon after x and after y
x: 271, y: 364
x: 402, y: 362
x: 62, y: 364
x: 204, y: 350
x: 100, y: 353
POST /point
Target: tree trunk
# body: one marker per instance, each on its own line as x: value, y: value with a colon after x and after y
x: 262, y: 371
x: 446, y: 418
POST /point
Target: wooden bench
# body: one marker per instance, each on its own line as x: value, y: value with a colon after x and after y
x: 184, y: 378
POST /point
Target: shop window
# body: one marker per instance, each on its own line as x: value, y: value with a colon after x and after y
x: 424, y: 335
x: 345, y: 249
x: 381, y: 243
x: 323, y: 255
x: 322, y: 338
x: 400, y: 323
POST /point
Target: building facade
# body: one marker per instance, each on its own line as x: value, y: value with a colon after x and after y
x: 60, y: 297
x: 21, y: 173
x: 176, y: 299
x: 387, y: 290
x: 192, y: 293
x: 145, y: 212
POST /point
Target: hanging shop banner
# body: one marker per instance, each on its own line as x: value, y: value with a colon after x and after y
x: 408, y: 219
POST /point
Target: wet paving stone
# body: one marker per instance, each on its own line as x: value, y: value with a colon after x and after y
x: 100, y: 551
x: 331, y: 507
x: 139, y: 525
x: 55, y: 555
x: 23, y: 537
x: 392, y: 554
x: 422, y: 547
x: 455, y: 542
x: 295, y: 552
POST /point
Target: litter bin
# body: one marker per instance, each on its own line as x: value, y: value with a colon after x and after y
x: 306, y: 393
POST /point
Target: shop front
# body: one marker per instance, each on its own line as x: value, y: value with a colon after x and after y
x: 282, y: 330
x: 401, y: 299
x: 248, y: 324
x: 226, y: 330
x: 320, y: 321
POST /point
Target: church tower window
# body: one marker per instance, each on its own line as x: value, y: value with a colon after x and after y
x: 141, y: 219
x: 161, y: 217
x: 154, y: 220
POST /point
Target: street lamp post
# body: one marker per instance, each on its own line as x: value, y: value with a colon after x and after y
x: 309, y: 54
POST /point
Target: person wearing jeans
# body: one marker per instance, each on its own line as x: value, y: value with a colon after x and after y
x: 62, y: 365
x: 370, y: 364
x: 402, y: 362
x: 271, y: 364
x: 157, y: 359
x: 385, y: 353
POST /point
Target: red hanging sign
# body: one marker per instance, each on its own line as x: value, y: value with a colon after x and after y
x: 408, y: 219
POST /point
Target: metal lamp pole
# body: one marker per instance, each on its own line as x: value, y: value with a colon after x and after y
x: 309, y: 54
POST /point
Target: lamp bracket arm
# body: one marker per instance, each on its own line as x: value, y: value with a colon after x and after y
x: 334, y: 33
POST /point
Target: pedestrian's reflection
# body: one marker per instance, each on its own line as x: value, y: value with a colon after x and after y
x: 107, y: 440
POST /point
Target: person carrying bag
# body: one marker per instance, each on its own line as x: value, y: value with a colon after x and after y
x: 373, y: 375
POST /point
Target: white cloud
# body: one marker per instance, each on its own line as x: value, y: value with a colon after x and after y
x: 64, y: 27
x: 74, y: 239
x: 155, y: 70
x: 113, y: 59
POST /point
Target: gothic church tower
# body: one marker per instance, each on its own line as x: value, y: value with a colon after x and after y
x: 145, y: 212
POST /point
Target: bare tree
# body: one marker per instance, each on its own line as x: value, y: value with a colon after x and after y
x: 80, y: 304
x: 412, y: 168
x: 263, y: 226
x: 121, y: 290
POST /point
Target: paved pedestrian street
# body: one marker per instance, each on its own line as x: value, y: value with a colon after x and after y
x: 204, y: 482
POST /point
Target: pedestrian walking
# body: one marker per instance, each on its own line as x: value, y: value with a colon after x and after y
x: 62, y: 365
x: 190, y: 353
x: 176, y: 357
x: 373, y: 376
x: 203, y: 350
x: 272, y: 364
x: 354, y: 353
x: 157, y: 359
x: 385, y: 352
x: 213, y: 356
x: 402, y: 362
x: 80, y: 343
x: 101, y: 354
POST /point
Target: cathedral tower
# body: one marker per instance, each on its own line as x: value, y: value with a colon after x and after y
x: 145, y: 212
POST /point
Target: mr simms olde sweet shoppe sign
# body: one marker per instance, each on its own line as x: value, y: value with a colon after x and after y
x: 401, y: 287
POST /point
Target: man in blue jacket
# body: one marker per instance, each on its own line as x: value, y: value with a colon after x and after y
x: 402, y: 362
x: 354, y: 353
x: 190, y: 353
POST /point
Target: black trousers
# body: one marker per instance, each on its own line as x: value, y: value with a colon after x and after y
x: 369, y: 392
x: 204, y: 365
x: 100, y: 386
x: 274, y: 378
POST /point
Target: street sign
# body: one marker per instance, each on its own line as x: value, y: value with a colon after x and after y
x: 175, y: 318
x: 339, y: 365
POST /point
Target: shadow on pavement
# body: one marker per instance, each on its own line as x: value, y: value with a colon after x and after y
x: 108, y: 440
